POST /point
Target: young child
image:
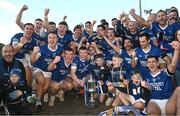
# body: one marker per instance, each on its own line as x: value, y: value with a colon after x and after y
x: 136, y: 90
x: 117, y: 81
x: 100, y: 73
x: 16, y: 94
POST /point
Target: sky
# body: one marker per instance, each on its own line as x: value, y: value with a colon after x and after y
x: 77, y: 11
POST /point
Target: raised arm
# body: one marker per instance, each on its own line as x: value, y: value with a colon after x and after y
x: 53, y: 65
x: 93, y: 44
x: 175, y: 58
x: 81, y: 42
x: 46, y: 21
x: 116, y: 48
x: 64, y: 18
x: 19, y: 17
x: 139, y: 19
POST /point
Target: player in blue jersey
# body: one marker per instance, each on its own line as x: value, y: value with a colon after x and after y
x: 38, y: 26
x: 63, y: 38
x: 23, y: 44
x: 107, y: 49
x: 88, y: 31
x: 163, y: 99
x: 80, y: 68
x: 98, y: 39
x: 145, y: 50
x: 135, y: 96
x: 117, y: 81
x: 41, y: 58
x: 76, y: 38
x: 60, y: 80
x: 128, y: 54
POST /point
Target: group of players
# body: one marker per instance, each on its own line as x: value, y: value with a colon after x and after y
x: 135, y: 62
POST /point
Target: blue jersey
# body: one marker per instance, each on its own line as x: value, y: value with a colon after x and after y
x: 108, y: 50
x: 126, y: 60
x: 166, y: 47
x: 26, y: 48
x: 82, y: 67
x: 61, y: 72
x: 64, y: 41
x: 168, y: 32
x: 77, y: 40
x: 161, y: 83
x: 46, y: 57
x: 142, y: 58
x: 135, y: 90
x: 37, y: 38
x: 153, y: 36
x: 85, y: 33
x: 97, y: 40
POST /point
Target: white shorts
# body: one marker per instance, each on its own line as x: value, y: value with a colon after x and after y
x: 24, y: 61
x: 45, y: 74
x: 27, y: 57
x: 134, y: 101
x: 161, y: 104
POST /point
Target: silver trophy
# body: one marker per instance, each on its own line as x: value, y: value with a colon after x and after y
x: 91, y: 88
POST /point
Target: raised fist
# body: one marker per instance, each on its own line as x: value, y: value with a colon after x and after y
x: 132, y: 12
x: 24, y: 7
x: 46, y: 11
x: 175, y: 44
x: 133, y: 54
x: 23, y: 40
x: 64, y: 18
x: 36, y: 49
x: 56, y: 59
x: 143, y: 84
x: 121, y: 15
x: 94, y: 22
